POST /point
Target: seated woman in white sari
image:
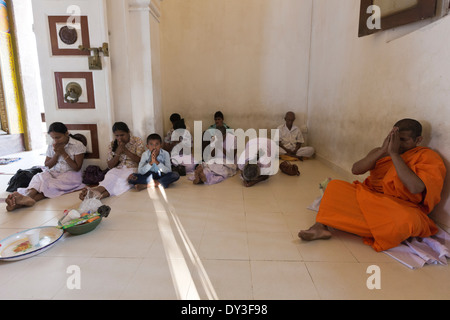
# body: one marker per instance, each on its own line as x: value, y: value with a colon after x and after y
x: 62, y: 174
x: 124, y: 155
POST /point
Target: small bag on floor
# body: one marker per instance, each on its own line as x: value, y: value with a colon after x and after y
x: 289, y: 168
x: 93, y: 175
x: 22, y: 178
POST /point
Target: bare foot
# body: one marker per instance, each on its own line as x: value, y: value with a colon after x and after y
x: 152, y: 184
x: 317, y: 232
x: 140, y: 187
x: 91, y: 193
x: 16, y: 200
x: 197, y: 179
x: 11, y: 204
x: 202, y: 176
x: 24, y: 200
x: 83, y: 193
x: 199, y: 175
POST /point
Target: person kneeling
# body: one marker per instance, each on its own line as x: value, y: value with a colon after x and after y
x: 155, y: 167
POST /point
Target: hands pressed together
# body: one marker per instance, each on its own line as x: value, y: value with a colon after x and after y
x: 59, y: 150
x: 391, y: 145
x: 155, y: 153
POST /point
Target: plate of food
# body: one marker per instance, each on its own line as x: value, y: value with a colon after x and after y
x: 28, y: 243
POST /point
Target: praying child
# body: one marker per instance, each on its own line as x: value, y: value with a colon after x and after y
x: 155, y: 166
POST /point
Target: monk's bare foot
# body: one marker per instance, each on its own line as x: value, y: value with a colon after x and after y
x: 316, y: 232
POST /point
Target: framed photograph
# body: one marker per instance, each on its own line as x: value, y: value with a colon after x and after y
x: 89, y: 131
x: 75, y: 90
x: 392, y: 14
x: 67, y: 33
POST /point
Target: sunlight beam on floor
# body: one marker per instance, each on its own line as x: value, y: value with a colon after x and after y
x: 182, y: 278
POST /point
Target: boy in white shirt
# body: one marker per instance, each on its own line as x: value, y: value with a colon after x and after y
x: 291, y: 139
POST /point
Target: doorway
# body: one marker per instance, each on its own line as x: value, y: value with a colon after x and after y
x: 31, y: 117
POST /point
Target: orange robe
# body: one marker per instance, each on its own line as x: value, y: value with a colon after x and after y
x: 381, y: 209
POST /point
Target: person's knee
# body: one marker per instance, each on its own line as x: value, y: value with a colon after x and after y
x: 306, y: 152
x: 175, y: 176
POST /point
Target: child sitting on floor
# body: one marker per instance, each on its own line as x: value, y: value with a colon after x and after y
x: 219, y: 121
x: 168, y: 144
x: 154, y: 166
x: 181, y: 155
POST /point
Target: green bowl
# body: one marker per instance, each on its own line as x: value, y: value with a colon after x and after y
x: 84, y: 228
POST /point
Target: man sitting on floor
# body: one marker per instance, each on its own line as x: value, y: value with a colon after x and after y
x: 393, y: 203
x: 291, y: 139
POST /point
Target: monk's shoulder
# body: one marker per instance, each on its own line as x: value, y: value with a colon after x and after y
x: 426, y: 153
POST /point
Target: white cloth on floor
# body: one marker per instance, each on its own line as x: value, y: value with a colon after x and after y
x: 416, y: 253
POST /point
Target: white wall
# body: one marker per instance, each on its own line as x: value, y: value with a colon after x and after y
x: 249, y: 59
x: 359, y: 87
x: 134, y: 31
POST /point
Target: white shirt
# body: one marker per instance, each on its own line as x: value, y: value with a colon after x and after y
x: 72, y: 148
x: 290, y: 138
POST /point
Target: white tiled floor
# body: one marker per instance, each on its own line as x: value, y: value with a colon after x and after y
x: 208, y: 242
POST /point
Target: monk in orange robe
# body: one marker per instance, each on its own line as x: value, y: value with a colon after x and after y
x: 394, y: 202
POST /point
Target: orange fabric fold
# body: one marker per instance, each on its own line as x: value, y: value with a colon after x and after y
x: 381, y: 209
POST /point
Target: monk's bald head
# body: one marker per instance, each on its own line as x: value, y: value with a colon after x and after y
x: 411, y: 125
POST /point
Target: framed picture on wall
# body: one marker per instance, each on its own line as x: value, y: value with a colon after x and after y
x: 67, y: 33
x: 89, y: 131
x: 75, y: 90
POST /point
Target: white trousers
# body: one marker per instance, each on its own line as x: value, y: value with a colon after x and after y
x: 307, y: 152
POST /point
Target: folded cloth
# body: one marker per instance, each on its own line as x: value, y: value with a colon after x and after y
x: 285, y: 157
x: 416, y: 252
